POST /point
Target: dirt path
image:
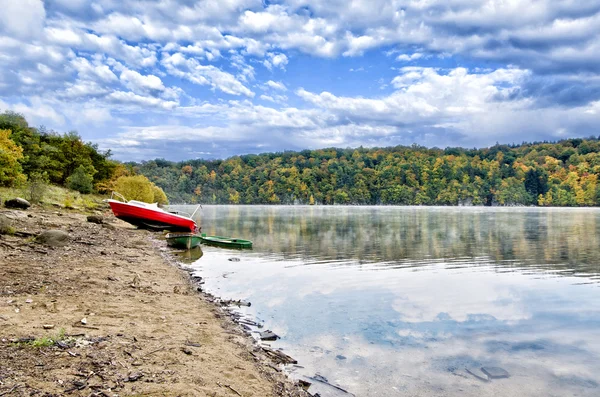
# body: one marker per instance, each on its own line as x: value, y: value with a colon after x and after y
x: 132, y: 323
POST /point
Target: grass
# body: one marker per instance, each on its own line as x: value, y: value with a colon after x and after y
x: 57, y: 196
x: 44, y: 341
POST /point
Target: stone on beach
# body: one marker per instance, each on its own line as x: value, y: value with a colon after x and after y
x: 17, y: 202
x: 95, y: 219
x: 5, y: 226
x: 268, y: 335
x: 53, y: 238
x: 495, y: 372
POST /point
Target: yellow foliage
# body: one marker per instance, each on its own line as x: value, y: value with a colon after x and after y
x: 234, y: 196
x: 10, y: 154
x: 159, y: 195
x: 135, y: 188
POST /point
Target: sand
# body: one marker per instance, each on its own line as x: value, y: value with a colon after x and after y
x: 122, y: 320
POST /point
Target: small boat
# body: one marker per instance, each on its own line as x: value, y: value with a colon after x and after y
x: 150, y: 216
x: 183, y: 240
x: 226, y: 241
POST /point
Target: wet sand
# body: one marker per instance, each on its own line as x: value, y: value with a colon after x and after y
x: 122, y: 320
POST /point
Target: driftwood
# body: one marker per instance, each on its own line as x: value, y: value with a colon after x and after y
x: 326, y: 382
x: 230, y: 388
x: 278, y: 356
x: 24, y: 234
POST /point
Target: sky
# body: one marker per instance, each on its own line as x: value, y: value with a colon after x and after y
x: 184, y: 79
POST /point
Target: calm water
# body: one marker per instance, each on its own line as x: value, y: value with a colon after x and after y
x: 387, y: 301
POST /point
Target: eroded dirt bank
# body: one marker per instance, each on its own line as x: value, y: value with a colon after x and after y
x: 106, y: 315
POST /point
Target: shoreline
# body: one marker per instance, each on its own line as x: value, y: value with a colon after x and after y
x: 111, y: 314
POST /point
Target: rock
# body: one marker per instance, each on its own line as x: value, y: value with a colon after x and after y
x: 5, y: 226
x: 84, y: 321
x: 134, y: 376
x: 477, y: 374
x: 17, y: 203
x: 48, y: 326
x: 187, y: 351
x: 15, y: 215
x: 53, y: 238
x: 268, y: 335
x: 95, y: 219
x: 495, y: 372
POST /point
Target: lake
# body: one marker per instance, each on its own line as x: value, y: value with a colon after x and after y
x: 414, y: 301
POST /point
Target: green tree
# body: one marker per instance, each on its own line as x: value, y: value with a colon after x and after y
x: 81, y: 180
x: 512, y: 192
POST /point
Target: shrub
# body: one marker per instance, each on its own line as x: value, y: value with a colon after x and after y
x: 37, y: 186
x: 135, y: 188
x: 81, y: 181
x: 68, y: 202
x: 159, y: 195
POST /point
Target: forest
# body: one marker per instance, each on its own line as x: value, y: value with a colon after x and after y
x: 563, y: 173
x: 31, y: 158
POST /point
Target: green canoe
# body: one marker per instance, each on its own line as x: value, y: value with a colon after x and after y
x: 183, y: 240
x: 226, y: 241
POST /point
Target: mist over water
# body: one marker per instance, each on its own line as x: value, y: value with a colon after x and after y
x: 386, y: 301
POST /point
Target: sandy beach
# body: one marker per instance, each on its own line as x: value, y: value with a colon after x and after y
x: 107, y: 314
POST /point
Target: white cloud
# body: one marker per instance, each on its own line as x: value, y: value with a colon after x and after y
x: 129, y: 98
x: 276, y: 85
x: 408, y: 58
x: 37, y: 111
x: 140, y: 83
x: 22, y: 18
x: 86, y: 70
x: 143, y: 56
x: 275, y: 60
x: 190, y: 69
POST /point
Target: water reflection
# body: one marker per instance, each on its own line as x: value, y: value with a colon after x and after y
x: 460, y: 289
x: 557, y: 239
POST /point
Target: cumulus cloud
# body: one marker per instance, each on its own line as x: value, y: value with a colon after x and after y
x: 129, y: 98
x: 276, y: 85
x: 23, y: 18
x: 275, y: 61
x: 140, y: 83
x: 175, y: 63
x: 192, y: 70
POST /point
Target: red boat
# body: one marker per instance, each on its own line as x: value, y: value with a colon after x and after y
x: 150, y: 216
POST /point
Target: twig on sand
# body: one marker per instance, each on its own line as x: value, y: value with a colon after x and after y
x: 152, y: 352
x: 230, y: 388
x: 15, y: 387
x: 84, y: 326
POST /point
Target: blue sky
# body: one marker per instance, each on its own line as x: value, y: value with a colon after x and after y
x: 183, y: 79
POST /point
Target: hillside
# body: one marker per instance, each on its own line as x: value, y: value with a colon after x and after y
x: 564, y: 173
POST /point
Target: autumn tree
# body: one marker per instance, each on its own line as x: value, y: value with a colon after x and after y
x: 10, y: 154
